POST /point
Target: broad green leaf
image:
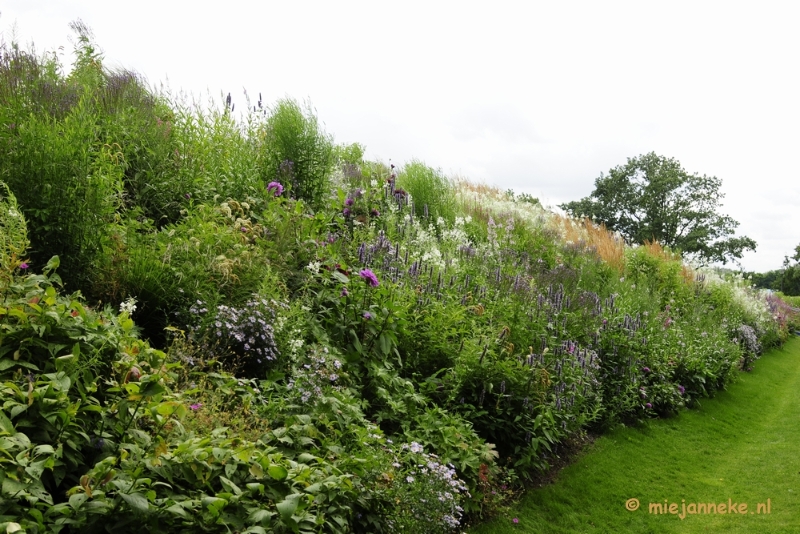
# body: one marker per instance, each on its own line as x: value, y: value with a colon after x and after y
x: 151, y: 389
x: 278, y: 472
x: 306, y: 458
x: 287, y: 506
x: 136, y: 501
x: 257, y: 471
x: 6, y: 425
x: 177, y: 509
x: 75, y: 501
x: 385, y: 344
x: 260, y: 515
x: 230, y: 486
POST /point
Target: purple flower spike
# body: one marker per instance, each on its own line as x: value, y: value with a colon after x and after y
x: 370, y: 277
x: 346, y: 212
x: 275, y: 186
x: 349, y: 202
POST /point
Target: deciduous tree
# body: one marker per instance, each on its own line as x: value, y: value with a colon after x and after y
x: 652, y: 198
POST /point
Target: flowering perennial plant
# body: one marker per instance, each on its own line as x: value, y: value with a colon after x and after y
x: 247, y: 331
x: 323, y: 371
x: 421, y: 494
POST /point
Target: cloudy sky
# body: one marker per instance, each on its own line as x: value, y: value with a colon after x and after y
x: 540, y: 97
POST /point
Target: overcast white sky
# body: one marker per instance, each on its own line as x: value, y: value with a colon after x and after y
x: 539, y: 97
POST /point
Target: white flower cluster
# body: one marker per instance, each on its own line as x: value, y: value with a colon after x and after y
x: 129, y: 306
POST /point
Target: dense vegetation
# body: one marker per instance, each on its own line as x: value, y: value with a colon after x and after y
x: 212, y: 324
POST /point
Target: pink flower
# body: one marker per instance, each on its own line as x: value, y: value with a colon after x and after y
x: 370, y: 277
x: 23, y: 266
x: 275, y: 186
x: 515, y: 520
x: 196, y: 406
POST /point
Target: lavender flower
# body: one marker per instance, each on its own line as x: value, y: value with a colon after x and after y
x: 276, y: 187
x: 349, y: 202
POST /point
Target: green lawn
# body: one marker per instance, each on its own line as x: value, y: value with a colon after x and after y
x: 742, y: 446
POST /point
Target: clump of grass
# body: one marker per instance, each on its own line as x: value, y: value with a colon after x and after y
x: 296, y: 151
x: 608, y: 246
x: 432, y: 193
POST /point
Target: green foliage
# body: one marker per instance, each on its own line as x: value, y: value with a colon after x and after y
x: 352, y: 154
x: 296, y: 151
x: 652, y: 198
x: 431, y: 191
x: 75, y: 150
x: 316, y: 316
x: 13, y: 235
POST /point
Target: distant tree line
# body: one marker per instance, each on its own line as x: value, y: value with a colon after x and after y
x: 785, y: 280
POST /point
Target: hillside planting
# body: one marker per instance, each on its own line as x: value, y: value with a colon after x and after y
x: 214, y: 321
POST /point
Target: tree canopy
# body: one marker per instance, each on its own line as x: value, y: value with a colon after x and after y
x: 652, y: 198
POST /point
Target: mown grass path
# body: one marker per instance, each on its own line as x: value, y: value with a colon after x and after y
x: 742, y: 446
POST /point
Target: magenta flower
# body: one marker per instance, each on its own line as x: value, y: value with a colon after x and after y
x: 648, y: 405
x: 275, y: 186
x: 23, y: 266
x: 370, y: 277
x: 196, y: 406
x: 646, y: 369
x: 515, y: 520
x: 346, y: 212
x: 349, y: 202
